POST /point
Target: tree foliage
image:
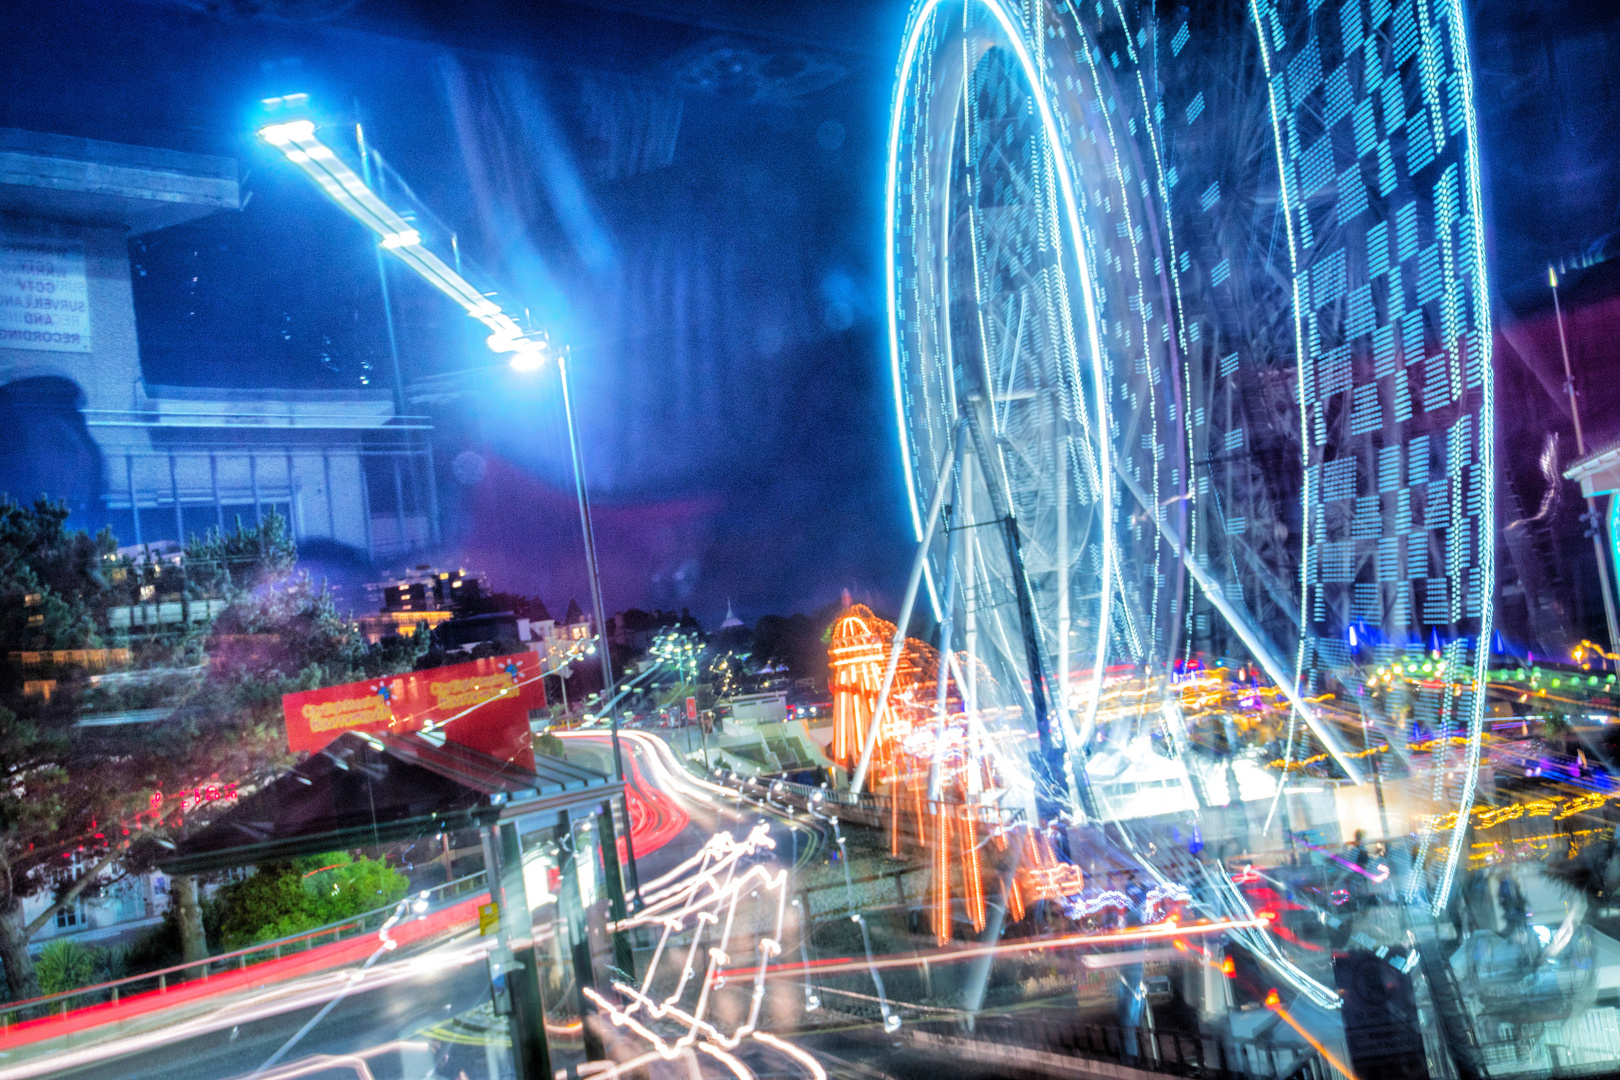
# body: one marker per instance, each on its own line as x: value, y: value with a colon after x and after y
x: 67, y: 965
x: 795, y: 642
x: 549, y: 745
x: 52, y: 588
x: 242, y: 560
x: 81, y: 804
x: 281, y: 900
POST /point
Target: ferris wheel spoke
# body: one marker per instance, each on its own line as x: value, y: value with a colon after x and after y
x: 1142, y: 278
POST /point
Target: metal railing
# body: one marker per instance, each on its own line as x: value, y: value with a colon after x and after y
x: 223, y: 963
x: 867, y: 808
x: 822, y: 800
x: 1178, y: 1053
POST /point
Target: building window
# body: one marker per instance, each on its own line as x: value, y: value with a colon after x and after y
x: 70, y: 916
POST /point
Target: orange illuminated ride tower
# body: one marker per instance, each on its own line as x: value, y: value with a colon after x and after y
x: 858, y: 654
x: 954, y: 830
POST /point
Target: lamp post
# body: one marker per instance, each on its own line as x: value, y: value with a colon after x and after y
x: 290, y: 128
x: 596, y: 604
x: 1609, y: 615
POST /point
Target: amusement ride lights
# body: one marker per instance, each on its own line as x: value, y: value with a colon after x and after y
x: 920, y: 754
x: 1093, y: 159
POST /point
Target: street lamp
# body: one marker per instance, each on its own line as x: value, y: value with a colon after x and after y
x: 291, y: 131
x: 526, y: 360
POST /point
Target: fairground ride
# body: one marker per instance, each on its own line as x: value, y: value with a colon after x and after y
x: 1190, y: 345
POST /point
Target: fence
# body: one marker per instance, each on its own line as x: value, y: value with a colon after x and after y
x: 1031, y: 1042
x: 236, y: 960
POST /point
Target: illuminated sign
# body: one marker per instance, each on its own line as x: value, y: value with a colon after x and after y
x: 492, y: 693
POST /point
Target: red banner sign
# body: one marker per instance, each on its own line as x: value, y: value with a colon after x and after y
x: 483, y: 704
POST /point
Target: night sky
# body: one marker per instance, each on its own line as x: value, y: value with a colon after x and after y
x: 688, y: 194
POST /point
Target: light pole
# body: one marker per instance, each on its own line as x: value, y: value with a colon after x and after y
x: 291, y: 129
x: 1580, y: 448
x: 596, y: 604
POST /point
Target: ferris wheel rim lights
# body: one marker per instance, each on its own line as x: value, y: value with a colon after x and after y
x: 1012, y: 30
x: 1456, y: 594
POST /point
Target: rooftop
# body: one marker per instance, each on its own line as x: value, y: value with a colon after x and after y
x: 365, y: 789
x: 140, y: 188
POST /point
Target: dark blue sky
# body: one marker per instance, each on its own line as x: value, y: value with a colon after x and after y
x: 693, y: 209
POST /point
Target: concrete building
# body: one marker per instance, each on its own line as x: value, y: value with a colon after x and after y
x: 767, y: 707
x: 164, y: 462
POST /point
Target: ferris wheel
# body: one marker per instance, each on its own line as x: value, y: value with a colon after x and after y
x: 1189, y: 345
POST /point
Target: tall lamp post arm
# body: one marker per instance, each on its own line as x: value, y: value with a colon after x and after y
x: 596, y: 605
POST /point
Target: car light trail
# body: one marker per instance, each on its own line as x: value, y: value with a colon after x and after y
x: 1274, y: 1003
x: 1157, y: 932
x: 277, y: 1001
x: 703, y: 895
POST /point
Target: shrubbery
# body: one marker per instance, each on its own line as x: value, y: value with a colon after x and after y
x: 289, y: 898
x: 277, y: 901
x: 68, y: 965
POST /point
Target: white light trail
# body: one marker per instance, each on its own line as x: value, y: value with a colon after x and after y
x: 702, y: 895
x: 1156, y: 932
x: 276, y: 1001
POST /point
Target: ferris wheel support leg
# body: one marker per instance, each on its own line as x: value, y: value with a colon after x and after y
x: 1250, y: 636
x: 946, y: 619
x: 930, y: 522
x: 1048, y: 761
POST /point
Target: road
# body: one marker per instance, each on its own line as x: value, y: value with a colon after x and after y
x: 659, y: 782
x: 380, y: 1021
x: 399, y: 998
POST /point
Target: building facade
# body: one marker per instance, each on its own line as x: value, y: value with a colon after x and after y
x: 164, y: 462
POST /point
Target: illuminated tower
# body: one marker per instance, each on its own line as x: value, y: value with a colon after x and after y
x: 857, y: 655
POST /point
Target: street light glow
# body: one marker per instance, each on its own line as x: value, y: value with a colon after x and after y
x: 526, y: 359
x: 297, y: 142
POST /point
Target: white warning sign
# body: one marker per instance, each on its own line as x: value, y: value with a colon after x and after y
x: 44, y: 303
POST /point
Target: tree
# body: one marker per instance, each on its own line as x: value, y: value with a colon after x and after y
x: 550, y: 745
x: 220, y: 563
x: 794, y: 642
x: 289, y: 898
x: 51, y: 801
x: 76, y: 803
x: 281, y: 633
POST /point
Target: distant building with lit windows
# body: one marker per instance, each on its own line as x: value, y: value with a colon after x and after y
x: 423, y: 597
x: 554, y: 640
x: 163, y: 462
